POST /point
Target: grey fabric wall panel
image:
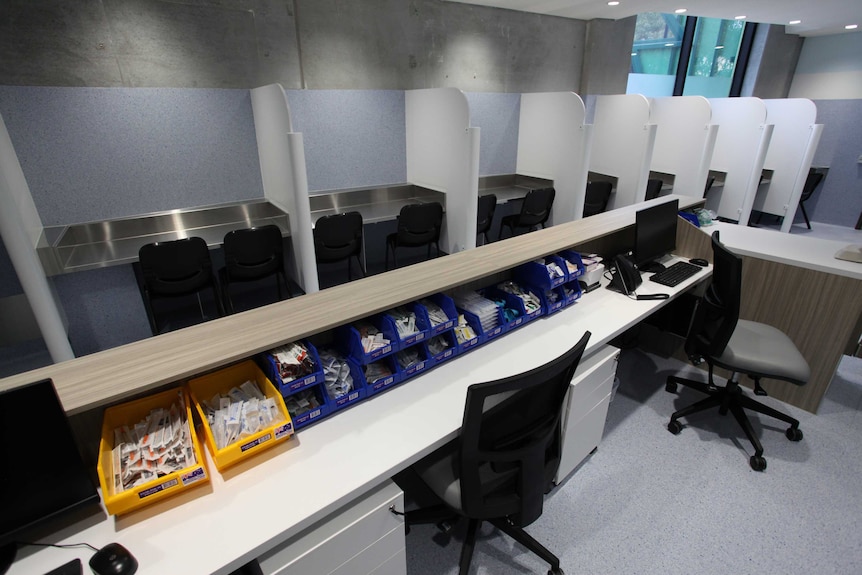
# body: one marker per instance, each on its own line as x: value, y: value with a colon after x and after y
x: 497, y: 116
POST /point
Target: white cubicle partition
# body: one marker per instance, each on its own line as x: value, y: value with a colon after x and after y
x: 622, y: 145
x: 740, y: 151
x: 282, y: 170
x: 443, y: 155
x: 21, y: 228
x: 684, y: 143
x: 554, y: 143
x: 791, y: 151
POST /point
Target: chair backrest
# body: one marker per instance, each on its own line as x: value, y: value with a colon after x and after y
x: 486, y: 208
x: 337, y: 237
x: 597, y: 197
x: 175, y: 267
x: 709, y: 182
x: 509, y: 445
x: 253, y: 253
x: 536, y: 207
x: 811, y: 182
x: 653, y: 189
x: 718, y: 311
x: 419, y: 224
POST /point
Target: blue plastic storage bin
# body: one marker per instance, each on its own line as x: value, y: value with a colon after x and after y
x: 350, y: 341
x: 447, y: 353
x: 448, y: 306
x: 575, y: 258
x: 576, y: 292
x: 548, y: 306
x: 516, y: 303
x: 480, y: 338
x: 422, y: 326
x: 312, y: 415
x: 358, y: 393
x: 269, y: 366
x: 425, y: 361
x: 536, y: 274
x: 384, y: 383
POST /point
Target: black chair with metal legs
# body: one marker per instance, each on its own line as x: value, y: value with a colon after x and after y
x: 173, y: 270
x: 418, y: 225
x: 535, y: 211
x: 811, y: 182
x: 505, y: 458
x: 253, y: 254
x: 720, y: 338
x: 597, y: 197
x: 486, y: 208
x: 653, y: 189
x: 337, y: 238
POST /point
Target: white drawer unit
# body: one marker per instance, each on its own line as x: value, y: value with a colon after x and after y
x: 586, y: 408
x: 363, y: 538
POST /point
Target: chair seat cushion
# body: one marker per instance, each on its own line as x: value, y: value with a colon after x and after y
x: 762, y: 350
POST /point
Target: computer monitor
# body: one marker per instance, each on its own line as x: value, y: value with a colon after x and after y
x: 655, y: 234
x: 42, y: 475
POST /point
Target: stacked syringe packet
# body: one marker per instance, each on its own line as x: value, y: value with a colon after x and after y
x: 242, y: 412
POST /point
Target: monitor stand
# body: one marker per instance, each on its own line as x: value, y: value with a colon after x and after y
x: 652, y: 267
x: 7, y: 556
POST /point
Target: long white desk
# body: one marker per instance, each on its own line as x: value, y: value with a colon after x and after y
x: 275, y: 495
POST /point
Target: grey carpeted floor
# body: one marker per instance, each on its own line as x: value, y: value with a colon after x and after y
x: 651, y: 502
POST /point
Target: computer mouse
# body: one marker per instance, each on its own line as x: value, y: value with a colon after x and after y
x: 699, y: 262
x: 113, y: 559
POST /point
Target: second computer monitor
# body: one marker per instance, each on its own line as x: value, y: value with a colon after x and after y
x: 655, y: 234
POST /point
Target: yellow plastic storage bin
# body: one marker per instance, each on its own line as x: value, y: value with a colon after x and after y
x: 221, y: 382
x: 157, y: 489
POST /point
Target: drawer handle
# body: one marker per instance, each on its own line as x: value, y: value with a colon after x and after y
x: 395, y: 511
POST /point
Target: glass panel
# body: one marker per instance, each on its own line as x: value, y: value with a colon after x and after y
x: 713, y: 57
x: 655, y: 54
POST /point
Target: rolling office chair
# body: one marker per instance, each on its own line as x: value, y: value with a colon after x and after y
x: 653, y: 189
x: 418, y: 225
x: 505, y: 457
x: 252, y: 254
x: 485, y: 217
x: 176, y: 269
x: 535, y: 211
x: 811, y: 182
x: 597, y: 197
x: 337, y: 238
x: 719, y: 337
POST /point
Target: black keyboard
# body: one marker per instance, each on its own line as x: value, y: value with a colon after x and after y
x: 675, y: 274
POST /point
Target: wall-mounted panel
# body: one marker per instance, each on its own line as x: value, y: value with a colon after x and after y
x: 497, y: 115
x: 99, y: 153
x: 353, y: 138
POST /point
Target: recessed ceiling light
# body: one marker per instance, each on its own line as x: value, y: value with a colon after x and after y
x: 613, y: 3
x: 739, y: 18
x: 851, y: 26
x: 634, y: 53
x: 680, y: 11
x: 719, y: 47
x: 795, y: 22
x: 669, y: 44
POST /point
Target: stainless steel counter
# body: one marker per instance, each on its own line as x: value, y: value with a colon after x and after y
x: 79, y: 247
x: 375, y: 204
x: 512, y: 187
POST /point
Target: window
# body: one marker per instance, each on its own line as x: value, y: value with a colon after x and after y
x: 713, y: 51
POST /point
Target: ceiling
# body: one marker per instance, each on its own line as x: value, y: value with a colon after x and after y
x: 819, y: 17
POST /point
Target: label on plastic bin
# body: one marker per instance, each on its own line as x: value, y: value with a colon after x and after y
x: 156, y: 489
x: 283, y: 430
x: 256, y: 442
x: 192, y: 476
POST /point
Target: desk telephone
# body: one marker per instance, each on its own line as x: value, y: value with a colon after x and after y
x: 626, y: 277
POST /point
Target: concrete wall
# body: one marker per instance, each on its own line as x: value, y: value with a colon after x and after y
x: 320, y: 44
x: 608, y: 56
x: 772, y: 63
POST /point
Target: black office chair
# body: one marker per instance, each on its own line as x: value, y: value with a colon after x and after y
x: 811, y: 182
x: 487, y: 207
x: 535, y: 211
x: 720, y: 338
x: 505, y: 457
x: 597, y: 197
x: 653, y: 189
x: 337, y: 238
x: 252, y: 254
x: 418, y: 225
x: 172, y: 270
x: 709, y: 182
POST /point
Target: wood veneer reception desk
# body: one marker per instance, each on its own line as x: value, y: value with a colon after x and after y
x: 275, y: 496
x: 794, y: 283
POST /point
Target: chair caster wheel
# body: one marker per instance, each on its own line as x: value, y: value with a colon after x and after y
x: 757, y: 462
x: 556, y: 571
x: 674, y: 426
x: 794, y: 434
x: 670, y: 387
x: 445, y: 527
